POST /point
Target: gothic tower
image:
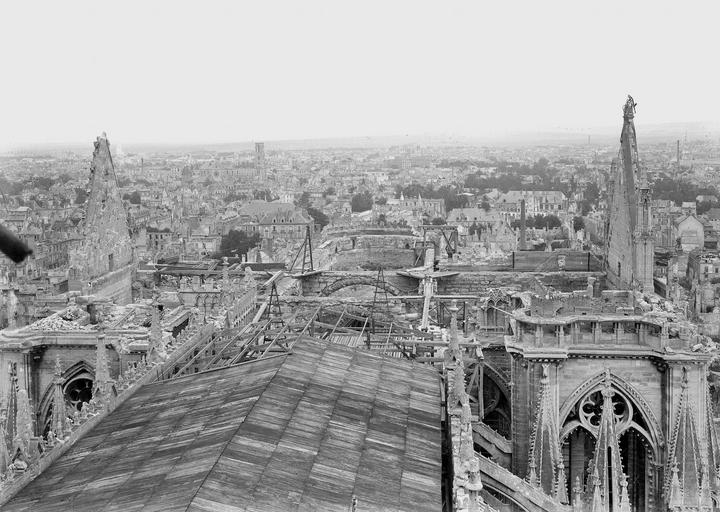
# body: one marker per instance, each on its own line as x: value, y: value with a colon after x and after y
x: 630, y: 248
x: 101, y: 263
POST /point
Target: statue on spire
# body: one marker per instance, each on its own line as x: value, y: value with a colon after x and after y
x: 629, y: 108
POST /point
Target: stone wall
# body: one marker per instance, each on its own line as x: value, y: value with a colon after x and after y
x: 370, y: 252
x: 465, y: 283
x: 477, y: 283
x: 327, y: 282
x: 116, y: 286
x: 371, y: 258
x: 575, y: 261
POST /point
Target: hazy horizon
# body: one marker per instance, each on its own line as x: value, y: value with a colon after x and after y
x: 648, y: 134
x: 181, y: 73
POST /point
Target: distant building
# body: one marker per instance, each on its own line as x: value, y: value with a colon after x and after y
x: 431, y: 207
x: 271, y: 220
x: 689, y: 208
x: 690, y: 232
x: 410, y: 208
x: 537, y: 202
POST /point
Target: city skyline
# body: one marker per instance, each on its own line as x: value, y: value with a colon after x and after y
x: 178, y: 73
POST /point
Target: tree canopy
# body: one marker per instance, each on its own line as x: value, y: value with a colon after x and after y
x: 237, y: 243
x: 304, y: 200
x: 319, y: 217
x: 80, y: 195
x: 361, y: 202
x: 235, y: 196
x: 539, y: 221
x: 578, y: 224
x: 680, y: 191
x: 133, y: 198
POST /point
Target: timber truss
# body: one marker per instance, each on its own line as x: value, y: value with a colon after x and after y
x: 255, y: 340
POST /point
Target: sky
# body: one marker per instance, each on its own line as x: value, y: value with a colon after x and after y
x: 230, y: 71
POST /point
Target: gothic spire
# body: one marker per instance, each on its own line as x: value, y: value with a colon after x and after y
x: 607, y: 461
x: 630, y: 243
x: 105, y: 245
x: 545, y: 455
x: 23, y: 427
x: 685, y: 460
x: 103, y: 182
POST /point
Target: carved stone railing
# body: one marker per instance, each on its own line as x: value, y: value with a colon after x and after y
x: 43, y: 452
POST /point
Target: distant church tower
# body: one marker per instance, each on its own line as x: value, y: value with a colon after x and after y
x: 630, y: 247
x: 260, y: 170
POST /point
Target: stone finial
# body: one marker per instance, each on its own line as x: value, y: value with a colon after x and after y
x: 561, y: 492
x: 130, y: 372
x: 249, y: 280
x: 590, y: 290
x: 58, y: 368
x: 577, y: 495
x: 156, y: 347
x: 83, y: 411
x: 706, y: 502
x: 454, y: 354
x: 597, y: 500
x: 532, y: 474
x: 58, y: 412
x: 624, y: 498
x: 676, y: 493
x: 51, y: 438
x: 102, y: 372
